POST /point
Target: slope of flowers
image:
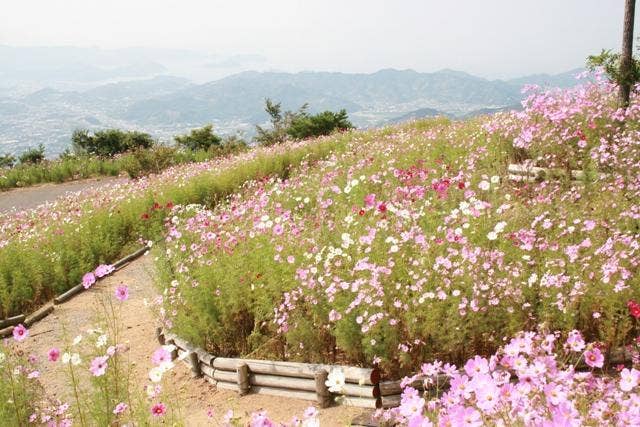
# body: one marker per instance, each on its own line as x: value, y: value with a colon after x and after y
x: 411, y: 245
x: 531, y: 381
x: 46, y: 250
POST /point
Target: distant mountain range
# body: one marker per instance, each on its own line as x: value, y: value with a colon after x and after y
x: 165, y: 105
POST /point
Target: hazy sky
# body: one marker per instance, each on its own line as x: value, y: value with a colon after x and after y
x: 492, y: 38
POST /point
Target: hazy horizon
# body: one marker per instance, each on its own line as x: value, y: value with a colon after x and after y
x: 494, y: 39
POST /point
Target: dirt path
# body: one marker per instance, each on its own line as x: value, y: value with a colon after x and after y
x: 197, y: 395
x: 30, y: 197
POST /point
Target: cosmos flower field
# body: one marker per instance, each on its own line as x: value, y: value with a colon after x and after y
x: 411, y: 244
x: 47, y: 250
x: 405, y: 247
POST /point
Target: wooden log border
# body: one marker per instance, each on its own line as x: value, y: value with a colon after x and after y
x: 7, y: 325
x: 304, y: 381
x: 363, y: 387
x: 527, y: 173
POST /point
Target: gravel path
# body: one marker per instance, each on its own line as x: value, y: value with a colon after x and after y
x: 30, y: 197
x: 196, y: 395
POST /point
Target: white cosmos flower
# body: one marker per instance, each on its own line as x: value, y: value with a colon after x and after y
x: 495, y: 179
x: 484, y: 185
x: 66, y: 357
x: 166, y: 366
x: 311, y: 422
x: 101, y: 341
x: 500, y: 227
x: 492, y: 235
x: 155, y: 374
x: 335, y: 380
x: 75, y: 359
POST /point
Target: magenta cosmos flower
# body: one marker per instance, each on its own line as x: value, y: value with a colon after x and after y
x: 158, y: 409
x: 122, y: 293
x: 20, y: 333
x: 88, y: 280
x: 53, y: 355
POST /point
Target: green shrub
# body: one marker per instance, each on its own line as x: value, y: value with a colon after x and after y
x: 199, y: 139
x: 32, y: 155
x: 7, y: 161
x: 109, y: 142
x: 307, y: 126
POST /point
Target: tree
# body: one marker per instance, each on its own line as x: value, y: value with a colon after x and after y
x: 109, y: 142
x: 609, y: 62
x: 299, y: 124
x: 199, y: 139
x: 32, y: 155
x: 307, y: 126
x: 7, y: 161
x: 278, y: 131
x: 626, y: 61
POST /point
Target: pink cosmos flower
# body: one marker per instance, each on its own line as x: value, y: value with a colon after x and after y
x: 369, y: 200
x: 53, y: 355
x: 411, y: 403
x: 477, y: 365
x: 487, y: 394
x: 629, y: 379
x: 554, y: 393
x: 465, y: 416
x: 120, y: 408
x: 334, y: 315
x: 160, y: 356
x: 103, y: 269
x: 122, y: 293
x: 311, y: 412
x: 278, y: 230
x: 99, y: 366
x: 88, y: 280
x: 20, y: 333
x: 594, y: 358
x: 260, y: 419
x: 575, y: 341
x: 158, y: 409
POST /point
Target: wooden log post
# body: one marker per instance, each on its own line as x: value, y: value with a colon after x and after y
x: 67, y: 295
x: 391, y: 401
x: 322, y: 391
x: 39, y: 314
x: 243, y: 378
x: 364, y: 376
x: 12, y: 321
x: 174, y: 352
x: 121, y: 263
x: 160, y: 336
x: 196, y: 371
x: 6, y: 331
